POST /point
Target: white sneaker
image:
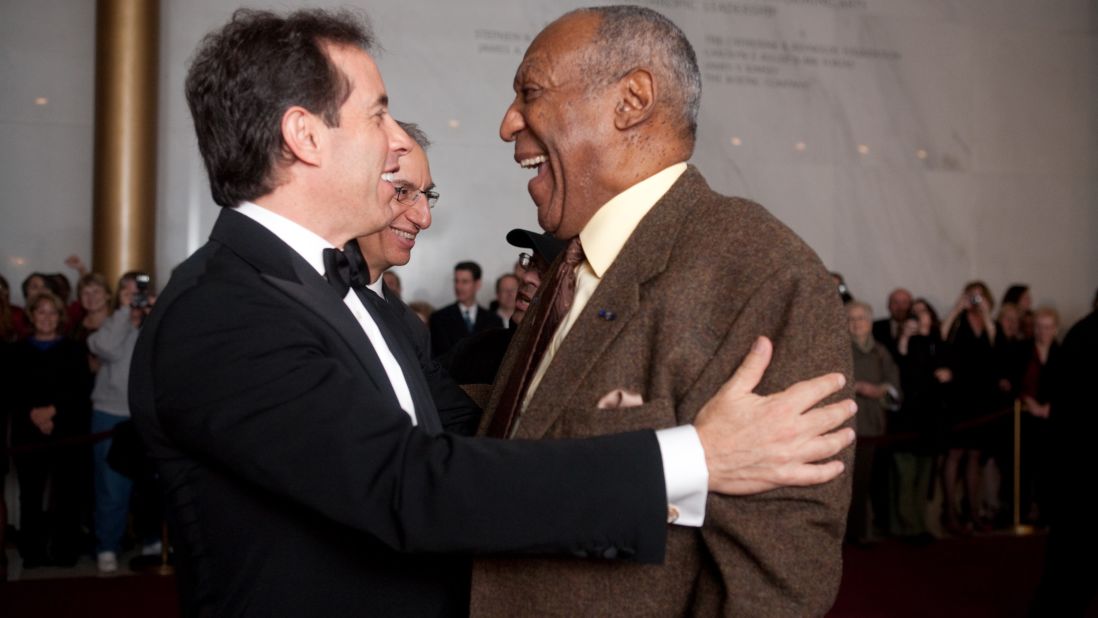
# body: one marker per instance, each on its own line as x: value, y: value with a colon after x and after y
x: 107, y: 562
x: 151, y: 549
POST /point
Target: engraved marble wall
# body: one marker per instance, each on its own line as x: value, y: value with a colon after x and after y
x: 915, y: 143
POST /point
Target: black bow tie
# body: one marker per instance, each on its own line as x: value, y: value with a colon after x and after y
x: 337, y: 270
x: 345, y: 269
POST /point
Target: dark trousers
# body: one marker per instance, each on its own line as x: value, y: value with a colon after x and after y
x: 859, y: 522
x: 49, y: 499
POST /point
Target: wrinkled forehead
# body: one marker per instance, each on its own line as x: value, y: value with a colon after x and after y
x: 554, y: 47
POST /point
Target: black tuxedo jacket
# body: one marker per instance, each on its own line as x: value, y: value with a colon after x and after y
x: 459, y: 414
x: 448, y: 326
x: 297, y: 486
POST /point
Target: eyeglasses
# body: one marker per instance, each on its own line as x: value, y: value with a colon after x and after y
x: 525, y: 259
x: 405, y: 194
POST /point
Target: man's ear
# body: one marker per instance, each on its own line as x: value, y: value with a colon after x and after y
x: 301, y: 135
x: 637, y: 99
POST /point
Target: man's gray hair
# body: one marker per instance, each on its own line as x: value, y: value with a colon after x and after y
x: 416, y: 133
x: 630, y: 37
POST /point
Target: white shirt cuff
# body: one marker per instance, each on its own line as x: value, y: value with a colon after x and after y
x: 685, y: 474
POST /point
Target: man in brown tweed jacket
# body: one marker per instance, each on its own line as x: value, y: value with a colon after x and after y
x: 677, y: 283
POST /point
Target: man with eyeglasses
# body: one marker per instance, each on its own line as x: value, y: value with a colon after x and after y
x: 413, y: 198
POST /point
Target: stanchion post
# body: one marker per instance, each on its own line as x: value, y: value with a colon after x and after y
x: 1019, y: 527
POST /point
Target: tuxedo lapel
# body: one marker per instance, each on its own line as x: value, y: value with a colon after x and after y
x: 285, y: 270
x: 394, y: 333
x: 613, y: 306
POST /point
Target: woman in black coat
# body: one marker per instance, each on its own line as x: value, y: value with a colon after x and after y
x: 49, y: 404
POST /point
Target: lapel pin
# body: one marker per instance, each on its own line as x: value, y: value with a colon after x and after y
x: 607, y: 315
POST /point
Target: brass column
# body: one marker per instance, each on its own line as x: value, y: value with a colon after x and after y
x: 124, y: 208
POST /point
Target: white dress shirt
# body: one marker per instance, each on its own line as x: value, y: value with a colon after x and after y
x: 310, y: 247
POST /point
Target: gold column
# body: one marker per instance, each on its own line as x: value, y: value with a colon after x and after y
x: 126, y: 63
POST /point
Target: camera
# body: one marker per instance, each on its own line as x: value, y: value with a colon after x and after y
x: 976, y: 299
x: 141, y: 296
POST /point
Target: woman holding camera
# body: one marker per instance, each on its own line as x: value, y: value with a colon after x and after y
x: 113, y: 345
x: 970, y: 331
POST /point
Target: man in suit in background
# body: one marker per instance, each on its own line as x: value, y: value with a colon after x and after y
x: 674, y: 285
x: 303, y: 460
x: 464, y: 317
x: 887, y: 330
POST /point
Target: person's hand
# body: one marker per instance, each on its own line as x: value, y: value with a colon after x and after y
x: 74, y: 262
x: 138, y: 314
x: 910, y: 329
x: 755, y: 443
x: 1034, y: 407
x: 42, y: 417
x: 943, y: 375
x: 962, y: 303
x: 870, y: 390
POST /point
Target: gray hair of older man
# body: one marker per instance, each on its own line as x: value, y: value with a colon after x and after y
x: 416, y: 133
x: 631, y: 37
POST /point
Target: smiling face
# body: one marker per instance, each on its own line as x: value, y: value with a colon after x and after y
x: 560, y: 127
x: 392, y: 246
x: 46, y: 318
x: 93, y: 297
x: 358, y: 153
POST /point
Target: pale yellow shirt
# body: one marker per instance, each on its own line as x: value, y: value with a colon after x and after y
x: 602, y: 239
x: 685, y: 474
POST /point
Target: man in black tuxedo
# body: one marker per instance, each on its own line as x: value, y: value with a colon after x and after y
x: 464, y: 317
x: 303, y: 459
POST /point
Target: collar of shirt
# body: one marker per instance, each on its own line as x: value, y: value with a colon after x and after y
x: 612, y: 225
x: 471, y: 310
x: 376, y: 287
x: 308, y: 244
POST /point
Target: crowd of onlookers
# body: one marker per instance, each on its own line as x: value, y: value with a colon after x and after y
x: 65, y: 361
x: 937, y: 398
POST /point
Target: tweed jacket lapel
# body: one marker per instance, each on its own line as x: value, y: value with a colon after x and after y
x: 644, y: 256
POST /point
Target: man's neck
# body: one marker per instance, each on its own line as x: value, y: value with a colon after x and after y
x: 284, y: 201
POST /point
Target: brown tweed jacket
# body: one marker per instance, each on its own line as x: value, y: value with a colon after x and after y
x: 701, y: 277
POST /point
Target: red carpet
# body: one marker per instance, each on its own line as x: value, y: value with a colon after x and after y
x: 979, y: 576
x: 985, y: 576
x: 130, y: 596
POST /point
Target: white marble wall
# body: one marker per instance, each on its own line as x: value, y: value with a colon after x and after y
x: 975, y: 120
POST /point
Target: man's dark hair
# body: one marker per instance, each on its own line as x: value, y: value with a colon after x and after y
x: 472, y: 267
x: 416, y: 133
x: 631, y: 37
x: 51, y: 284
x: 247, y: 74
x: 1015, y: 293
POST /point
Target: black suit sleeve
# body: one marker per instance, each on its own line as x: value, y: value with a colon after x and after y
x: 275, y: 401
x: 458, y: 413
